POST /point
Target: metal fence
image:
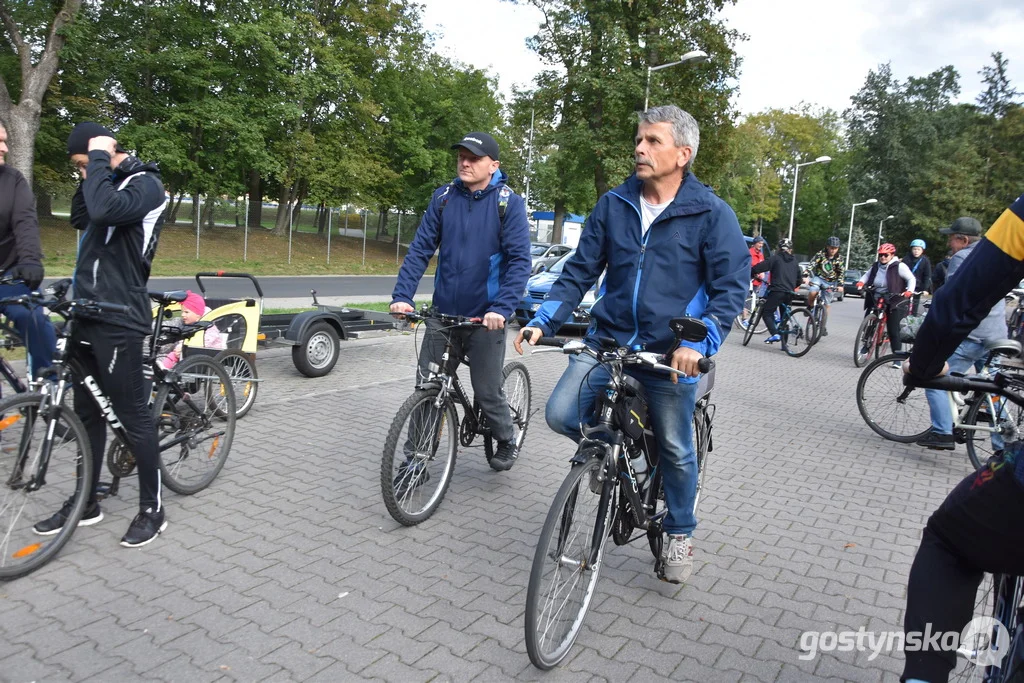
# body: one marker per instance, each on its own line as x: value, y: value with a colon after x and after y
x: 397, y: 228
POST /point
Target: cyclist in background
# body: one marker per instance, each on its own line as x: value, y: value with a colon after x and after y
x: 980, y: 526
x: 759, y: 284
x: 894, y: 283
x: 785, y: 276
x: 827, y: 269
x: 921, y: 267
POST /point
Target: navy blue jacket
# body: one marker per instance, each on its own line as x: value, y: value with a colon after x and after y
x: 482, y: 266
x: 693, y: 261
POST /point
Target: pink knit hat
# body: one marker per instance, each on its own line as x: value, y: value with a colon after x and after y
x: 195, y: 303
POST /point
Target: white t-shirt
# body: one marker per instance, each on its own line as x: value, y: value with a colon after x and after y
x: 649, y: 212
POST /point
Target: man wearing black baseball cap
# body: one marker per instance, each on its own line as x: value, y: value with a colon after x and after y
x: 118, y: 207
x: 478, y: 226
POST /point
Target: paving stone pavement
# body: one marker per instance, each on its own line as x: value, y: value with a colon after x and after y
x: 289, y: 568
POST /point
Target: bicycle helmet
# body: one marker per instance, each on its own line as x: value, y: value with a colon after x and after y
x: 785, y: 243
x: 833, y: 241
x: 918, y: 243
x: 887, y: 248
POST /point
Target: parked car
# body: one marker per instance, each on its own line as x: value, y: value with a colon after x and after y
x: 850, y: 282
x: 549, y: 257
x: 537, y: 288
x: 537, y: 250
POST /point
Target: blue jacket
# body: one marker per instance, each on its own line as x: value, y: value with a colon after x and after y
x: 693, y: 261
x: 482, y: 266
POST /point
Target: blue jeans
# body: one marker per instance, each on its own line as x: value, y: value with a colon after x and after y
x: 34, y: 328
x: 670, y: 407
x: 963, y: 359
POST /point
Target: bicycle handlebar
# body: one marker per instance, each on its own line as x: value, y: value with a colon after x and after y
x: 998, y: 383
x: 648, y: 358
x: 66, y: 308
x: 448, y: 320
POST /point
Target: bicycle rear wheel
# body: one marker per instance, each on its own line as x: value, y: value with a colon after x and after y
x: 23, y: 429
x: 195, y: 423
x: 419, y: 457
x: 566, y: 564
x: 990, y: 412
x: 893, y: 411
x: 749, y: 306
x: 798, y: 332
x: 516, y: 385
x: 864, y: 342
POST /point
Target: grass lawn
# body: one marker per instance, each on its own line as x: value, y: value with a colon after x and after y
x: 221, y: 249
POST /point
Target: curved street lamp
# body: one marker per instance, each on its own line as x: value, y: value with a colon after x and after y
x: 796, y: 177
x: 849, y: 240
x: 880, y: 223
x: 692, y: 56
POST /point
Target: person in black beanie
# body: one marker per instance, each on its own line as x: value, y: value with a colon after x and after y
x: 21, y: 258
x: 119, y: 208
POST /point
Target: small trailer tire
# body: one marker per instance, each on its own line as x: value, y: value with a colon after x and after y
x: 317, y: 352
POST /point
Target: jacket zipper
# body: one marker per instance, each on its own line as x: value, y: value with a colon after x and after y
x: 639, y: 268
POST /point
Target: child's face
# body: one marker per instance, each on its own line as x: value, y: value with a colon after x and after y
x: 188, y: 316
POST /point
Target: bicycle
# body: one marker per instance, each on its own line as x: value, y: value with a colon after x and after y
x: 900, y: 413
x: 423, y: 441
x: 49, y: 461
x: 819, y: 310
x: 180, y: 422
x: 10, y: 339
x: 994, y: 653
x: 797, y: 330
x: 873, y: 335
x: 749, y: 306
x: 604, y: 495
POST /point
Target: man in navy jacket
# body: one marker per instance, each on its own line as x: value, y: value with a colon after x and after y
x: 671, y: 247
x: 478, y: 227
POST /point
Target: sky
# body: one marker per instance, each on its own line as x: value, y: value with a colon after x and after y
x: 814, y: 51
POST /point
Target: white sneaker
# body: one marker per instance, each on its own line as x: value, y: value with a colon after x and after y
x: 677, y: 558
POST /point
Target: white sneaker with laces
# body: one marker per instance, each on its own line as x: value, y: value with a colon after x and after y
x: 677, y: 558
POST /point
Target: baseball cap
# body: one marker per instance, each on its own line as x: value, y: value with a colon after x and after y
x: 480, y: 144
x: 964, y: 225
x: 78, y: 141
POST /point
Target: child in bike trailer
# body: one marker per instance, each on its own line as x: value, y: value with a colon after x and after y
x: 980, y: 526
x: 892, y: 279
x: 785, y: 276
x: 192, y: 309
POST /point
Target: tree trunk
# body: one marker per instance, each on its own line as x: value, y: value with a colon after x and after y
x: 556, y: 229
x: 300, y: 196
x: 283, y: 207
x: 175, y: 205
x: 321, y: 223
x: 44, y: 203
x: 208, y: 208
x: 255, y: 200
x: 382, y: 222
x: 22, y: 119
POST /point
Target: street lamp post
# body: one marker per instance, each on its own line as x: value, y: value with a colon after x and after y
x: 880, y: 224
x: 693, y: 55
x: 796, y: 177
x: 849, y: 240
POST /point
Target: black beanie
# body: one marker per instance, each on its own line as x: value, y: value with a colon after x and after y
x: 78, y: 141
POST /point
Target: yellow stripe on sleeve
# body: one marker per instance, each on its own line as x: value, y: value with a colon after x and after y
x: 1007, y: 233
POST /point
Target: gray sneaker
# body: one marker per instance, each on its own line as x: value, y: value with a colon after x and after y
x: 677, y: 558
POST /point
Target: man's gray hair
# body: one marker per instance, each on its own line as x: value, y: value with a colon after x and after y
x: 685, y: 131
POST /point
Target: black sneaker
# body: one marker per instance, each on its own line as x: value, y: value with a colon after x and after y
x: 938, y: 442
x: 146, y: 526
x: 505, y: 456
x: 409, y: 477
x: 49, y: 527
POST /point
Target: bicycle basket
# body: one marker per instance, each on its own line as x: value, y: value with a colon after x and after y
x: 909, y: 327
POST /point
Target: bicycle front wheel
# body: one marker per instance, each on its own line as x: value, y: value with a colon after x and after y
x: 419, y: 457
x: 566, y: 564
x: 754, y: 321
x: 195, y: 423
x: 515, y: 384
x: 893, y: 411
x: 864, y: 342
x: 798, y: 332
x: 27, y: 542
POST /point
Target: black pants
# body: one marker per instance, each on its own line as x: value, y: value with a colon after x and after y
x: 772, y: 302
x: 112, y: 356
x: 978, y: 528
x: 486, y: 352
x: 896, y: 310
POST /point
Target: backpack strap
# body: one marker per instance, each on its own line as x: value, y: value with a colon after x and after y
x: 503, y: 195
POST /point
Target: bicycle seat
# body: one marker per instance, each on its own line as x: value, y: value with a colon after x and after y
x: 166, y: 298
x: 1003, y: 347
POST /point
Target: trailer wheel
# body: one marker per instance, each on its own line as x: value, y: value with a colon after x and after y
x: 317, y: 353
